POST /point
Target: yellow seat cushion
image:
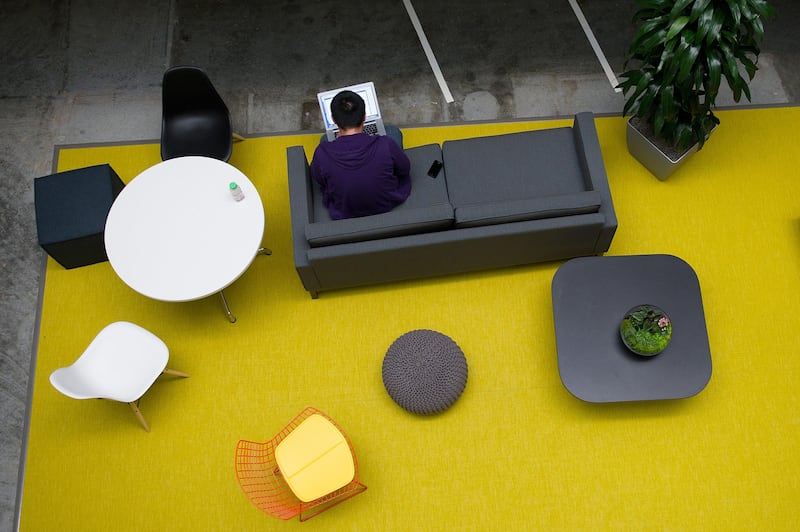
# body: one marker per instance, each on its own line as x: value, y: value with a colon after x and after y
x: 315, y: 459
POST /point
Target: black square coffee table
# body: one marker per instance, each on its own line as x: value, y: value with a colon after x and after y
x: 590, y: 297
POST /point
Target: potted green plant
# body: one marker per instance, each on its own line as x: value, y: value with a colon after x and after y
x: 679, y: 54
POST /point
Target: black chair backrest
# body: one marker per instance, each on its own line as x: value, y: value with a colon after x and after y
x: 195, y: 119
x: 188, y: 89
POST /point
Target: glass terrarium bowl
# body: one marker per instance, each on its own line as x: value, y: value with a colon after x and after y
x: 646, y: 330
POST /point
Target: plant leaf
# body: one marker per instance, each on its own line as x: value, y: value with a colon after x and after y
x: 705, y: 22
x: 688, y: 55
x: 714, y: 29
x: 683, y: 135
x: 714, y: 73
x: 676, y: 27
x: 731, y: 72
x: 667, y: 55
x: 668, y: 108
x: 736, y: 11
x: 749, y: 66
x: 763, y: 8
x: 758, y: 27
x: 649, y: 41
x: 678, y: 8
x: 647, y: 99
x: 699, y: 8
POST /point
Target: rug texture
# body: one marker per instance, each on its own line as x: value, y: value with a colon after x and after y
x: 516, y: 451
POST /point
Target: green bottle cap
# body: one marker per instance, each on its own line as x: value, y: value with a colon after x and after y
x: 234, y: 186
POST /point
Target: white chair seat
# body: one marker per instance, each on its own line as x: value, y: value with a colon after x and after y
x: 121, y: 363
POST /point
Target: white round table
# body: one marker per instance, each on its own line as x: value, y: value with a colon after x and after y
x: 176, y: 233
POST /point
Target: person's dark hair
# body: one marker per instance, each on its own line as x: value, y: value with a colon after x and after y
x: 348, y: 109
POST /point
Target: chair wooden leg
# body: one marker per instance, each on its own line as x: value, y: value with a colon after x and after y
x: 237, y: 137
x: 175, y: 372
x: 139, y: 416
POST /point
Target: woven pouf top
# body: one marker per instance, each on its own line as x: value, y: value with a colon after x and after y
x: 424, y: 371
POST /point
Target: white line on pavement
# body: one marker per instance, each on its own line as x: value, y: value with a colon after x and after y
x: 612, y: 78
x: 437, y: 72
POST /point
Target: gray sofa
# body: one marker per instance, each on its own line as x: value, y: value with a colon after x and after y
x: 499, y: 201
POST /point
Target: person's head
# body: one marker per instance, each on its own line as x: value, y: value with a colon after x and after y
x: 348, y: 110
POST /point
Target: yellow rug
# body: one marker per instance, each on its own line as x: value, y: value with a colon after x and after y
x: 517, y: 451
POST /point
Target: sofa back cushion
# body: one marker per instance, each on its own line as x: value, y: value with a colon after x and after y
x: 527, y: 209
x: 511, y: 167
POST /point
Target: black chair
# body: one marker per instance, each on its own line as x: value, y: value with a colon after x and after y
x: 195, y: 120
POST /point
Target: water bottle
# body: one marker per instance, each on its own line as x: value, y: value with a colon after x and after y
x: 236, y: 192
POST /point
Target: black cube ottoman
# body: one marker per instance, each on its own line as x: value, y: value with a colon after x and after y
x: 71, y: 211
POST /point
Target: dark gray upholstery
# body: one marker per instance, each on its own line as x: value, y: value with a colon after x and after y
x: 425, y: 191
x: 394, y: 223
x: 531, y: 164
x: 424, y: 371
x: 527, y: 209
x: 521, y: 198
x: 426, y: 209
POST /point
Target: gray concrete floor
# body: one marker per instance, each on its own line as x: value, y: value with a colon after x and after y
x: 87, y: 71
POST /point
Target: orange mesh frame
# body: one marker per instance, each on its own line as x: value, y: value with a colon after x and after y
x: 262, y: 482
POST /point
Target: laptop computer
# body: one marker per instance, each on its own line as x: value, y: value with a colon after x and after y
x: 373, y: 123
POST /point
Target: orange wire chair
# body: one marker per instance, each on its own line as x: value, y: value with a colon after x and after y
x: 262, y: 482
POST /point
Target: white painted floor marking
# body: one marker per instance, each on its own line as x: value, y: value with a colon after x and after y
x: 612, y: 78
x: 437, y: 72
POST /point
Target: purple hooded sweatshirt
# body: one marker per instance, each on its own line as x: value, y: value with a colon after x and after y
x: 361, y: 175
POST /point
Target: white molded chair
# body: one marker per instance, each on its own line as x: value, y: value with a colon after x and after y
x: 121, y: 364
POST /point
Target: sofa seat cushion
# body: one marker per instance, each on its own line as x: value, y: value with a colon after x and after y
x: 398, y: 222
x: 426, y: 209
x: 514, y: 166
x: 527, y: 209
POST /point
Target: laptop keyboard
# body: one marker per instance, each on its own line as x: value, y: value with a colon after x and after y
x: 371, y: 128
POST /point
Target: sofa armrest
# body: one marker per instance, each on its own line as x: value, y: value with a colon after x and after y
x: 587, y: 145
x: 300, y: 208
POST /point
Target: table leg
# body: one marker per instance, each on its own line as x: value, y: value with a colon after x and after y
x: 231, y: 317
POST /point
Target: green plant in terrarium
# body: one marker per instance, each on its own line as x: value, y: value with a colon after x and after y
x: 646, y: 330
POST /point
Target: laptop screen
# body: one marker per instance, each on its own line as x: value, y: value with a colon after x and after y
x: 365, y: 90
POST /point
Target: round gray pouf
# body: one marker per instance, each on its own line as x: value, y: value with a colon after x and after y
x: 424, y: 371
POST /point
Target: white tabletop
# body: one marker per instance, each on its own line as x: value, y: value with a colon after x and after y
x: 175, y: 232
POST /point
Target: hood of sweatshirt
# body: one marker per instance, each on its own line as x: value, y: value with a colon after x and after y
x: 351, y: 151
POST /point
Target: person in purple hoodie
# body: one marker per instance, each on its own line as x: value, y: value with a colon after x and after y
x: 360, y: 174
